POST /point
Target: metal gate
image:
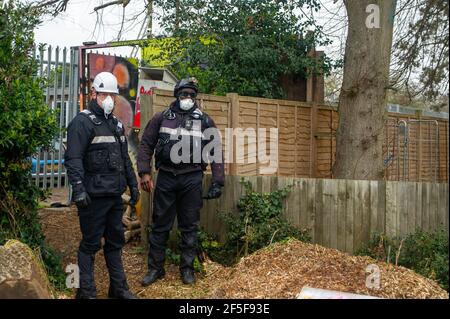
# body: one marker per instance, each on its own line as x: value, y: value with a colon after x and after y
x: 60, y: 67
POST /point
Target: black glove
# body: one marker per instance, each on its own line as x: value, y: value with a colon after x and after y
x: 134, y: 196
x: 215, y: 191
x: 80, y: 197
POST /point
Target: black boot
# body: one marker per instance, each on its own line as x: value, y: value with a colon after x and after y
x: 87, y: 288
x: 118, y: 287
x: 187, y: 276
x: 122, y: 292
x: 152, y: 276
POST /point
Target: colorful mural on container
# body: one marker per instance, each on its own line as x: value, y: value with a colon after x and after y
x: 127, y: 73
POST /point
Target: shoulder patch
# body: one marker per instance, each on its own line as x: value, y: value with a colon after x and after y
x: 169, y: 114
x: 91, y: 116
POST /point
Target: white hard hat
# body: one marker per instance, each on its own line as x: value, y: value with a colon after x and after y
x: 105, y: 82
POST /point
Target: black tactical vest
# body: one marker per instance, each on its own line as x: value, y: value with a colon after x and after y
x: 104, y: 159
x: 186, y: 128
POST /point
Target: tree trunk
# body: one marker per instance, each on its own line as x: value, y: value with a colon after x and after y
x: 362, y: 102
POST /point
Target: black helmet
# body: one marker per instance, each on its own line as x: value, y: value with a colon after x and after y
x: 189, y: 83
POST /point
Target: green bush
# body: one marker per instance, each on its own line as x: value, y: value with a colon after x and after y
x: 26, y: 125
x: 205, y: 247
x: 259, y: 223
x: 424, y: 252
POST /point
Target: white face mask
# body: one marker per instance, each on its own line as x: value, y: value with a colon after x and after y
x: 108, y: 105
x: 186, y: 104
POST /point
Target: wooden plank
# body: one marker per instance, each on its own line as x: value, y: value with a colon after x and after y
x: 426, y: 206
x: 296, y: 202
x: 258, y: 120
x: 341, y: 213
x: 291, y: 206
x: 278, y: 125
x: 365, y: 213
x: 381, y: 226
x: 327, y: 209
x: 374, y: 204
x: 358, y: 215
x: 319, y: 231
x: 419, y: 155
x: 402, y: 209
x: 446, y: 209
x: 295, y: 142
x: 443, y: 198
x: 265, y: 184
x: 273, y: 183
x: 418, y: 208
x: 313, y: 144
x: 411, y: 206
x: 311, y: 208
x: 391, y: 209
x: 349, y: 225
x: 302, y: 189
x: 234, y: 108
x: 281, y: 183
x: 434, y: 197
x: 334, y: 184
x: 146, y: 198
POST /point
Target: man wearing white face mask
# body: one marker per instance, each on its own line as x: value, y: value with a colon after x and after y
x: 178, y: 191
x: 99, y: 170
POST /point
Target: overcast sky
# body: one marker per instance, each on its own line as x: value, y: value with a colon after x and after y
x: 79, y: 24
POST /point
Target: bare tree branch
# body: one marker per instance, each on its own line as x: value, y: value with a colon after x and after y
x: 124, y: 3
x: 60, y: 7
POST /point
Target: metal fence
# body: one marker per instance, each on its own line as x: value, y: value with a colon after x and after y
x: 413, y: 150
x: 60, y: 67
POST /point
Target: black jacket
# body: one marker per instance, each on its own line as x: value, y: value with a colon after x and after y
x: 97, y: 154
x: 164, y: 124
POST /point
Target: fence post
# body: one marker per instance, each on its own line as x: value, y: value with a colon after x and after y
x: 234, y: 108
x: 313, y: 142
x: 146, y: 102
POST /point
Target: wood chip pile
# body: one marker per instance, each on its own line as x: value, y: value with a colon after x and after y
x: 281, y: 270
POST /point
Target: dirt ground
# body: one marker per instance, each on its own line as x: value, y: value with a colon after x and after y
x: 62, y: 232
x: 277, y: 271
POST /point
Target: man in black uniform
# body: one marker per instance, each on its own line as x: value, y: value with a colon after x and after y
x: 99, y: 170
x: 178, y: 189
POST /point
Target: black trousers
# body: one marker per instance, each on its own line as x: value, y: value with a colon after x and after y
x: 175, y: 196
x: 102, y: 218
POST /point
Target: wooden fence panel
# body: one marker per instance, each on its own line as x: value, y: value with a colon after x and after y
x: 338, y: 213
x: 307, y: 143
x: 341, y: 214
